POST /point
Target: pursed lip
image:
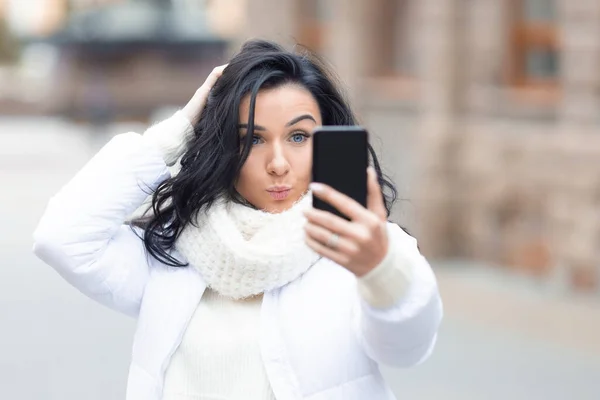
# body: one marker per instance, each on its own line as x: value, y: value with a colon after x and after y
x: 279, y: 193
x: 278, y: 189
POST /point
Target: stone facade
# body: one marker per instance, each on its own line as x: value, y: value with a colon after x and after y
x: 486, y: 170
x: 505, y: 175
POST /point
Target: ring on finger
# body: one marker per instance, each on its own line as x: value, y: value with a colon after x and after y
x: 333, y: 241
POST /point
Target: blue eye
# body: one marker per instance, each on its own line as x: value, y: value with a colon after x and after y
x: 255, y: 140
x: 299, y: 137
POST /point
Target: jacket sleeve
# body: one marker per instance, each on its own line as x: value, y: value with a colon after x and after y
x: 82, y: 234
x: 399, y: 305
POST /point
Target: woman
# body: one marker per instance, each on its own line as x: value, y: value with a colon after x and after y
x: 241, y: 289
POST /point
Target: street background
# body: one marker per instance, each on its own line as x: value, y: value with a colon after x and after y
x: 484, y: 113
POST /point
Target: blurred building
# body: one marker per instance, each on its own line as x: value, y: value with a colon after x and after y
x: 489, y: 114
x: 109, y: 59
x: 488, y: 109
x: 44, y: 17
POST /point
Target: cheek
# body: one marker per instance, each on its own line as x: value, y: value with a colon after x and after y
x: 302, y: 163
x: 248, y: 173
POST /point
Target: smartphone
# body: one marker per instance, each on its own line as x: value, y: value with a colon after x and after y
x: 340, y: 160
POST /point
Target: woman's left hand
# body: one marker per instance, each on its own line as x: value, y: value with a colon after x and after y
x: 358, y: 245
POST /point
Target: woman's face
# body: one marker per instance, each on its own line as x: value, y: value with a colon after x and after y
x: 278, y: 169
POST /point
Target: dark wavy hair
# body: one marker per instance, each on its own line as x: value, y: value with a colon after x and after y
x: 215, y: 153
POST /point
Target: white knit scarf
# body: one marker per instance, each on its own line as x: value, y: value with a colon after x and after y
x: 241, y: 252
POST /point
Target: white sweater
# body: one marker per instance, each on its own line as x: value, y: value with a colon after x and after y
x: 219, y: 355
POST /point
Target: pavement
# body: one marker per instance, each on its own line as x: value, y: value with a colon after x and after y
x: 503, y: 337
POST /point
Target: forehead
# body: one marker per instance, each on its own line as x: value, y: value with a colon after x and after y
x: 280, y: 104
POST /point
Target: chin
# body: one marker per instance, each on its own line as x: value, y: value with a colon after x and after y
x: 276, y: 207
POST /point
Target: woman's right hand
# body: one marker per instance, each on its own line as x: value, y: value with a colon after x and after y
x: 194, y: 107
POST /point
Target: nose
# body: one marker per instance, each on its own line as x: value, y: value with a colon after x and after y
x: 278, y: 164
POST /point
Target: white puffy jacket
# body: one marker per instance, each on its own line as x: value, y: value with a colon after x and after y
x: 320, y: 340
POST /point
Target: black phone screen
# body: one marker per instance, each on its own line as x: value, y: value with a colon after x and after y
x: 340, y: 160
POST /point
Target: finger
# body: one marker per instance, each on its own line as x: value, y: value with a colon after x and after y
x: 343, y: 203
x: 334, y: 223
x: 212, y: 78
x: 375, y: 201
x: 197, y: 103
x: 323, y: 236
x: 317, y: 247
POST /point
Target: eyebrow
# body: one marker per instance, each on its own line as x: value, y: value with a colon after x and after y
x: 301, y: 118
x: 256, y: 127
x: 292, y: 122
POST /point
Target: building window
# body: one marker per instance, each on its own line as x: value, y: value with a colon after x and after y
x: 314, y: 17
x: 539, y: 10
x: 534, y: 45
x: 393, y: 49
x: 392, y: 43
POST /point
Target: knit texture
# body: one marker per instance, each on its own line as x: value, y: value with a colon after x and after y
x: 241, y: 252
x: 219, y: 356
x: 385, y: 285
x: 170, y: 137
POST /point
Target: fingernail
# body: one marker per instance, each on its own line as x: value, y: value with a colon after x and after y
x: 316, y: 187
